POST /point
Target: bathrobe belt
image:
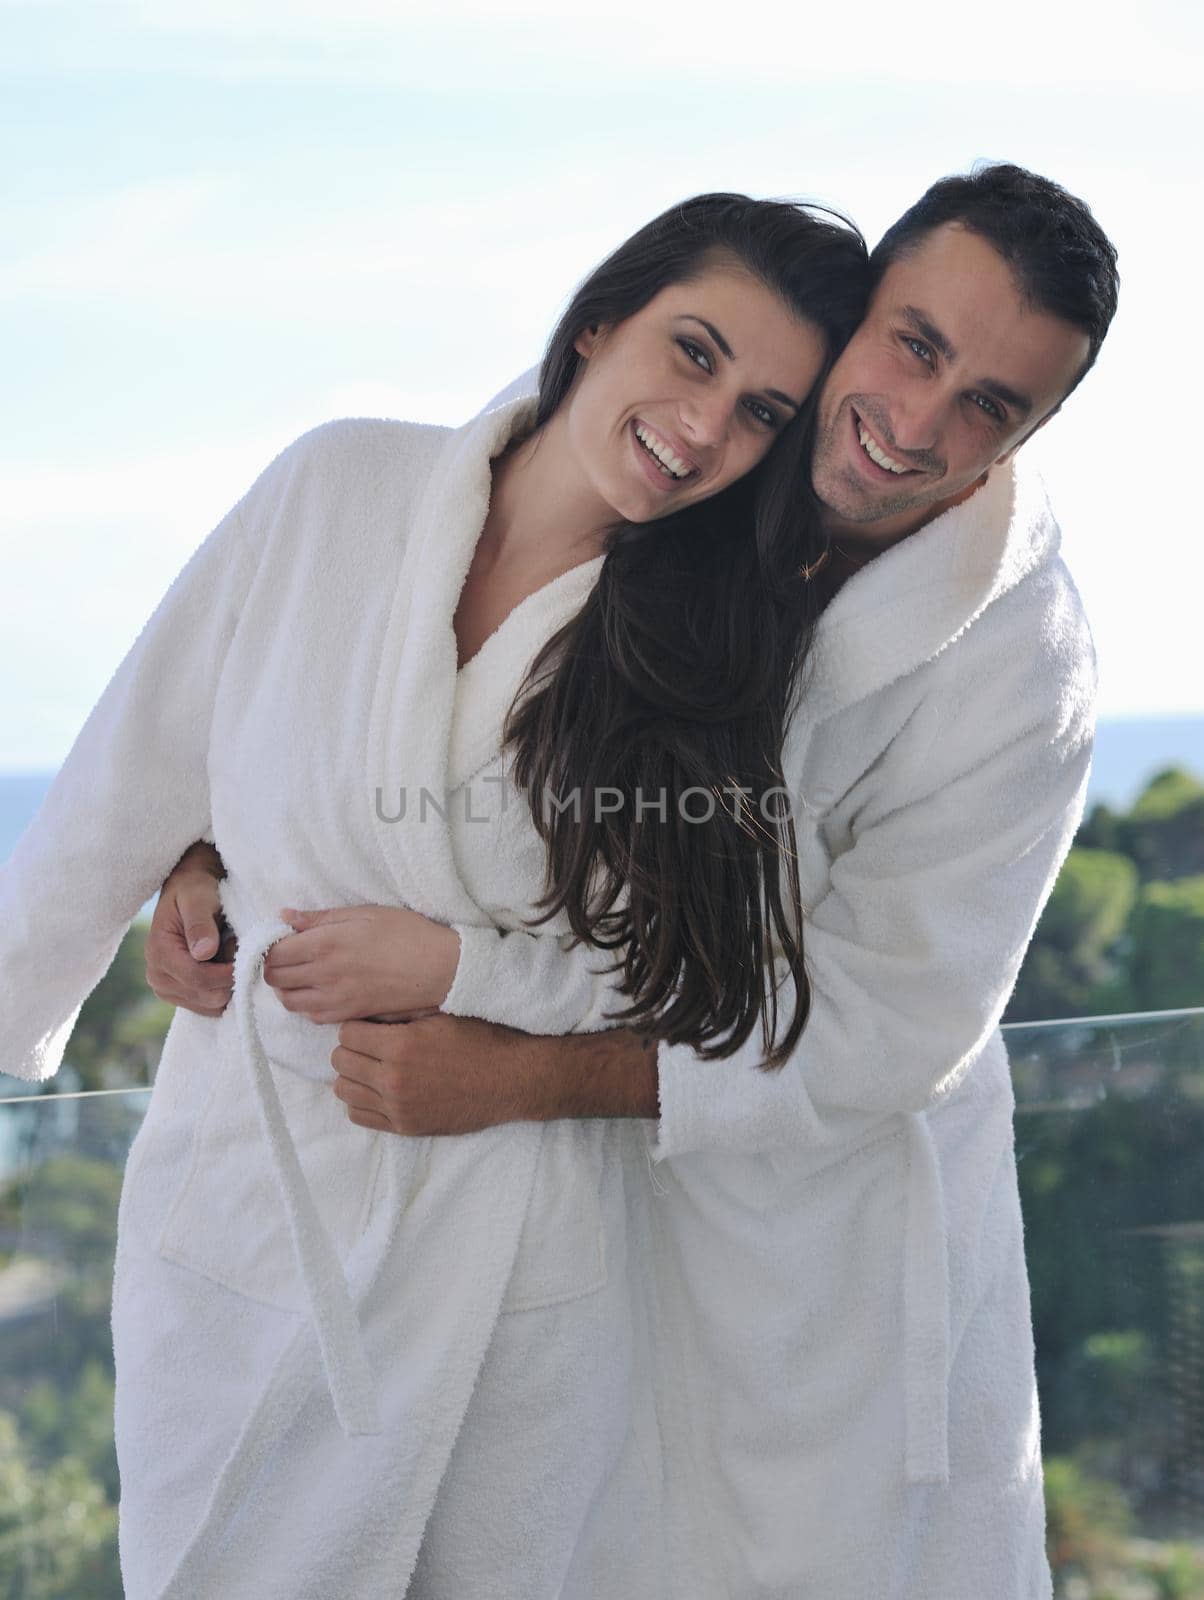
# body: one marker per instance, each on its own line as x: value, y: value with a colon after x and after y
x: 332, y: 1312
x: 925, y: 1310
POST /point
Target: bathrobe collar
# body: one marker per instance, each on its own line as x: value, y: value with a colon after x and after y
x: 432, y: 726
x: 912, y: 601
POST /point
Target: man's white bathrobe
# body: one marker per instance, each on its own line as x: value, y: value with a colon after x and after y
x: 775, y: 1343
x: 841, y: 1351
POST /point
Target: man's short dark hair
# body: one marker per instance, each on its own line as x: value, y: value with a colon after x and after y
x: 1063, y: 260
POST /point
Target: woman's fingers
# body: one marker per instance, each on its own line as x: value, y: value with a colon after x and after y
x: 288, y: 975
x: 311, y: 1003
x: 293, y: 950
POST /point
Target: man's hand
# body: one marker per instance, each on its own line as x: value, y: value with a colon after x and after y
x: 446, y: 1075
x: 190, y: 949
x: 437, y: 1075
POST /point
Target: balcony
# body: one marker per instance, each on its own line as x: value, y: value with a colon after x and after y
x: 1110, y: 1154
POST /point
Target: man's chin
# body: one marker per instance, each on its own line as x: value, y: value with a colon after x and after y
x: 849, y: 500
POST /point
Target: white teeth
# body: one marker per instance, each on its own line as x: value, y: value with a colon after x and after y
x: 671, y: 462
x: 876, y: 454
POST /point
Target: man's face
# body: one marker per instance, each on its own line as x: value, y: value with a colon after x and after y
x: 949, y: 373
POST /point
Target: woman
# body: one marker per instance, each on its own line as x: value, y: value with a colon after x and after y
x: 285, y: 1414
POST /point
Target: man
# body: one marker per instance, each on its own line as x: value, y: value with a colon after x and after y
x: 843, y: 1365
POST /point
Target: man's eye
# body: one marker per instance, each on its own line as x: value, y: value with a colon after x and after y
x: 919, y: 348
x: 985, y: 403
x: 696, y: 354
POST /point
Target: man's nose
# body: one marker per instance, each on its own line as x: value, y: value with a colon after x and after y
x: 918, y: 418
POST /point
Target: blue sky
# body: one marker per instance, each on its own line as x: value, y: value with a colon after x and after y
x: 222, y: 224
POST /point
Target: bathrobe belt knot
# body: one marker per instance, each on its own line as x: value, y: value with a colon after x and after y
x: 334, y: 1318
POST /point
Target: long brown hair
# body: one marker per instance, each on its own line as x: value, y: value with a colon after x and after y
x: 675, y: 678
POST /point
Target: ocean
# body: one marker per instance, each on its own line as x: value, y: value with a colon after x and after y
x: 1128, y: 752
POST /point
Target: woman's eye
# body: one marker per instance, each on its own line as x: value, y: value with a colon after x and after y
x: 696, y: 354
x: 762, y: 413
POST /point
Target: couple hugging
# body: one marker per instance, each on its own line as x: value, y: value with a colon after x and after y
x: 611, y: 1199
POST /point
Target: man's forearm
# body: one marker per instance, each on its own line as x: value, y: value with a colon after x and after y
x: 608, y: 1074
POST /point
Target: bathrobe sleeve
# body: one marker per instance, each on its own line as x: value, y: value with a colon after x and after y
x: 130, y: 797
x: 914, y: 948
x: 533, y: 981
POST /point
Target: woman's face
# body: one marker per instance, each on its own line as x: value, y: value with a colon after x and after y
x: 687, y: 395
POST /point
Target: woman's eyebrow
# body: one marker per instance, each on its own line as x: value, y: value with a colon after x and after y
x: 726, y: 349
x: 714, y: 333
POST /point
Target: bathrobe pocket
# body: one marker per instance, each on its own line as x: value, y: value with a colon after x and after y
x: 227, y: 1220
x: 562, y: 1248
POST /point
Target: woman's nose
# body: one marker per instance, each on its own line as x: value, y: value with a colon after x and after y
x: 706, y: 420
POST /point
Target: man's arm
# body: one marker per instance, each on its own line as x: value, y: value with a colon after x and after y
x: 442, y: 1075
x: 914, y: 949
x: 608, y: 1074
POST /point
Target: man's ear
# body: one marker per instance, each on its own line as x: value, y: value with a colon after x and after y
x: 588, y: 340
x: 1025, y: 437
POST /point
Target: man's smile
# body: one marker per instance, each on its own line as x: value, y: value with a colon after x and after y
x: 878, y: 461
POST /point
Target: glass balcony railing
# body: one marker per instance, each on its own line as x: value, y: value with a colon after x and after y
x: 1110, y: 1156
x: 61, y: 1162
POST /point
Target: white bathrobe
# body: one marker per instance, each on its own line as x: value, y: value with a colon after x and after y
x: 795, y: 1359
x: 295, y: 1294
x: 841, y: 1351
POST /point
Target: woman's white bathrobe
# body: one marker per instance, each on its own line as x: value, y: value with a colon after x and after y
x: 794, y: 1359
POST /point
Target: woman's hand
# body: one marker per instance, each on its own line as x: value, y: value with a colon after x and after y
x: 383, y: 963
x: 190, y: 949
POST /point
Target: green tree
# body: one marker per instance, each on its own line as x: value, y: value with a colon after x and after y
x: 1168, y: 945
x: 1073, y: 960
x: 58, y: 1468
x: 1164, y: 832
x: 1119, y: 931
x: 58, y: 1531
x: 1086, y: 1520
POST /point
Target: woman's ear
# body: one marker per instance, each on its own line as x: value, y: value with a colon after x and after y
x: 588, y: 340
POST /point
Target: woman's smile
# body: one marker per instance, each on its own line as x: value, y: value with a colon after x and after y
x: 659, y: 461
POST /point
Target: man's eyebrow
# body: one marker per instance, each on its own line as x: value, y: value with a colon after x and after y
x: 1019, y: 403
x: 1002, y: 392
x: 726, y: 349
x: 925, y: 325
